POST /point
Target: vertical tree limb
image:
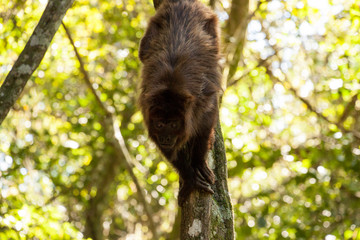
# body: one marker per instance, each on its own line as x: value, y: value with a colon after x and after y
x: 33, y: 53
x: 205, y: 216
x: 235, y: 33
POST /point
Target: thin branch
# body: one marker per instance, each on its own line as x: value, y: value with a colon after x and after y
x: 84, y: 72
x: 287, y: 85
x: 308, y: 104
x: 349, y: 107
x: 257, y: 9
x: 32, y: 54
x: 117, y: 140
x: 108, y: 110
x: 260, y: 63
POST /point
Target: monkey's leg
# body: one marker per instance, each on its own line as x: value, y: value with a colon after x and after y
x: 199, y: 154
x: 189, y: 180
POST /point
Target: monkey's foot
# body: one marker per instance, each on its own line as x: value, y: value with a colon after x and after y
x: 205, y: 173
x: 187, y: 187
x: 201, y: 182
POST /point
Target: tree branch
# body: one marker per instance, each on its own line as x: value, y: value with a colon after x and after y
x: 349, y: 107
x: 85, y: 73
x: 257, y: 9
x: 288, y: 86
x: 32, y: 54
x: 117, y: 140
x: 260, y: 63
x: 308, y: 104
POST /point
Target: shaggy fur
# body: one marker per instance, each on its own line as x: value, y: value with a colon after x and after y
x: 179, y: 91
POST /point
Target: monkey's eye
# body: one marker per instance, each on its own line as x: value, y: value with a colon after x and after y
x: 174, y: 125
x: 159, y: 125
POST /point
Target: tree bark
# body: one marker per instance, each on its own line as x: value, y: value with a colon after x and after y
x: 32, y: 54
x: 210, y: 217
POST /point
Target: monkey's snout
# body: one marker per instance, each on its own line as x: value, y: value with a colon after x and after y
x: 166, y: 141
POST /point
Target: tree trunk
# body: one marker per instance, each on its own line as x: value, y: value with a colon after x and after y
x: 210, y: 217
x: 32, y: 54
x: 235, y: 33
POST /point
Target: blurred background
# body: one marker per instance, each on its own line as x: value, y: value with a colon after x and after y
x: 290, y: 116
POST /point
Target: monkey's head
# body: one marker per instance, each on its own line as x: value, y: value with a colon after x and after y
x: 167, y: 118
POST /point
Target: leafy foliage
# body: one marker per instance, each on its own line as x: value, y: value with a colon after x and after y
x: 290, y: 119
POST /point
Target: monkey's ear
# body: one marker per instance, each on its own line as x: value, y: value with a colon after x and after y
x: 145, y: 44
x: 211, y: 28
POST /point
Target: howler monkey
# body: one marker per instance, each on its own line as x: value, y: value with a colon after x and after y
x: 180, y: 86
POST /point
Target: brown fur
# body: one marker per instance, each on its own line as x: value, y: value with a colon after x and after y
x: 179, y: 91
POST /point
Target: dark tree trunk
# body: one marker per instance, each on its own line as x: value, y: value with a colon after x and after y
x: 205, y: 216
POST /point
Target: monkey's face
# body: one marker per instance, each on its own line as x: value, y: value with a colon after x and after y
x: 166, y: 132
x: 166, y: 118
